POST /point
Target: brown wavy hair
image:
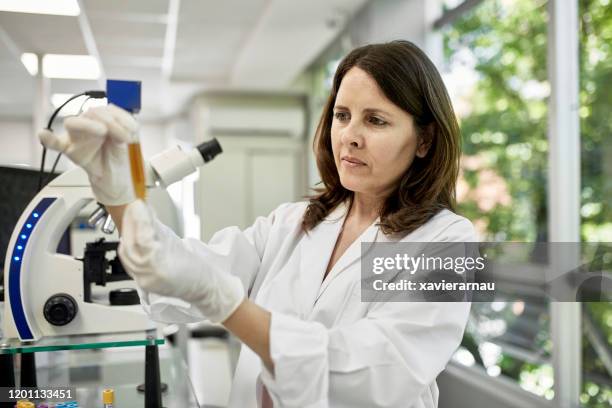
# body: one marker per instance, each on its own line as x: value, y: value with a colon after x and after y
x: 410, y: 80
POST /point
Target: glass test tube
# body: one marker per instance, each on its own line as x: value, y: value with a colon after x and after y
x: 137, y: 169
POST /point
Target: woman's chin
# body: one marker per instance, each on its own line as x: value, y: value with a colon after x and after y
x: 352, y: 185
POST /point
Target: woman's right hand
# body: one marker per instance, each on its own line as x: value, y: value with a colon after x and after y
x: 97, y: 142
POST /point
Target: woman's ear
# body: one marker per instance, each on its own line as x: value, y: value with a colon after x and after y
x: 425, y: 141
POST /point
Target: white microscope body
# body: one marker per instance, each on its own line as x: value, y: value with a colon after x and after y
x: 37, y: 276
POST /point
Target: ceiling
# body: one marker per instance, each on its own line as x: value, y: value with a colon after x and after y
x: 175, y: 47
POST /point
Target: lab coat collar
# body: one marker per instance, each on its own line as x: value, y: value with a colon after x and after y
x: 317, y: 249
x: 351, y: 255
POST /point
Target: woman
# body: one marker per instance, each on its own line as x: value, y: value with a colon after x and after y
x: 387, y: 148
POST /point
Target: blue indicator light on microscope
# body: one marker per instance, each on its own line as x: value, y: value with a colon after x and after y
x: 16, y: 258
x: 23, y: 236
x: 28, y: 225
x: 19, y: 247
x: 35, y: 215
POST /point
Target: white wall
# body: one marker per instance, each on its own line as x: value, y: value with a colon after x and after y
x: 19, y: 146
x: 16, y: 143
x: 387, y: 20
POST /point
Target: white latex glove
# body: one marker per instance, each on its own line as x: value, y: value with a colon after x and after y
x: 162, y: 263
x: 97, y: 141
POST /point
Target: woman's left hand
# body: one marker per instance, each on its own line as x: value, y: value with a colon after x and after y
x: 162, y: 263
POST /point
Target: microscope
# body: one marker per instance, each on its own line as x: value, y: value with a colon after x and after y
x: 48, y: 293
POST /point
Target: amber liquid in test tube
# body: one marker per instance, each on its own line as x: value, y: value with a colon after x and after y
x: 137, y: 168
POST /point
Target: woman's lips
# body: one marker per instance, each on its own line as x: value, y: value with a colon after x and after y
x: 352, y: 162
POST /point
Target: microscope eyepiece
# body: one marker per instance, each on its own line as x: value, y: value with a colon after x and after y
x: 209, y: 149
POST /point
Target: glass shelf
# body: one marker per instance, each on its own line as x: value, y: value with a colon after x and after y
x: 91, y: 371
x: 82, y: 341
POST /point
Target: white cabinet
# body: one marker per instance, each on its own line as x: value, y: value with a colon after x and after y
x: 263, y: 163
x: 250, y: 178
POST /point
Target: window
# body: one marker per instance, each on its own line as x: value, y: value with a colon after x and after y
x: 497, y: 77
x: 596, y: 193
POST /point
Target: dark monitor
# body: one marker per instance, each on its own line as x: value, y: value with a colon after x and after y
x: 18, y: 186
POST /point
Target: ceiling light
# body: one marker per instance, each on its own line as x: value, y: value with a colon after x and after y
x: 56, y: 7
x: 70, y: 66
x: 30, y: 62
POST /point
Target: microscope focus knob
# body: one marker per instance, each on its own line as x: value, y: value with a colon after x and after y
x: 60, y: 309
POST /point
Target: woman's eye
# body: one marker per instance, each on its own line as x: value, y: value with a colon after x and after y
x: 377, y: 121
x: 341, y: 116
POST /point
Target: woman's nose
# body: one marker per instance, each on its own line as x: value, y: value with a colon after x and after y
x: 352, y: 136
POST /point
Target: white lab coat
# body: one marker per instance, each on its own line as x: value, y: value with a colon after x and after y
x: 329, y: 348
